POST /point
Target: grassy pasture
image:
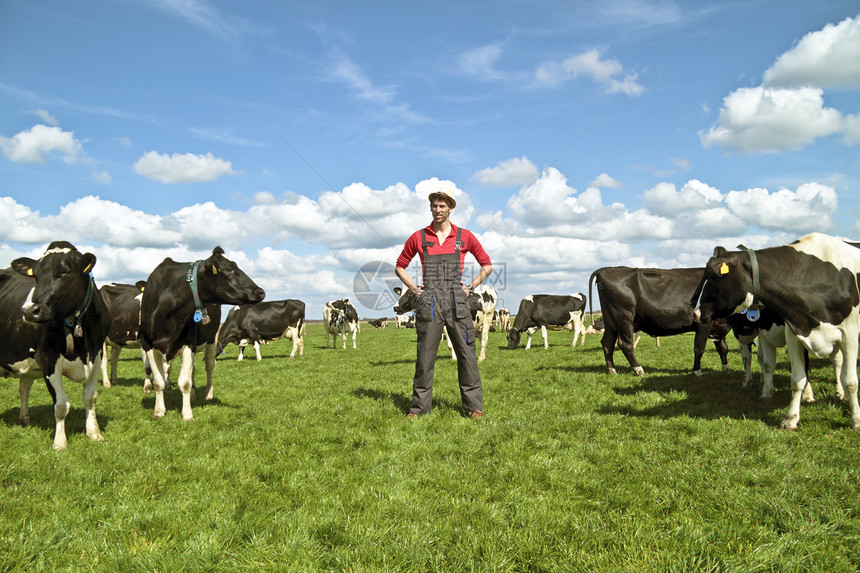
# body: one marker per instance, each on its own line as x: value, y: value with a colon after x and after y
x: 309, y: 465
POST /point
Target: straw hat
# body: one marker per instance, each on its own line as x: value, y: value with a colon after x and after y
x: 442, y: 192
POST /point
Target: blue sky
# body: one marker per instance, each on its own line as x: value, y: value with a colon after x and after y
x: 304, y: 137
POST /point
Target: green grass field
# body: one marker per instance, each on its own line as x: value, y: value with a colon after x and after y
x: 309, y: 465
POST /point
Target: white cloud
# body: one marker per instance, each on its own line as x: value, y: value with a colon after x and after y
x: 827, y: 58
x: 772, y: 120
x: 46, y: 117
x: 664, y: 199
x: 605, y: 181
x: 187, y: 168
x: 607, y: 72
x: 802, y: 211
x: 102, y: 177
x: 509, y: 173
x: 34, y: 145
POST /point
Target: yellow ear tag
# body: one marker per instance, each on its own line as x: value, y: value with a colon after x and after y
x: 214, y: 270
x: 724, y: 269
x: 29, y: 272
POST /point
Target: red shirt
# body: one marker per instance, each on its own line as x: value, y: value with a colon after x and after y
x: 470, y: 245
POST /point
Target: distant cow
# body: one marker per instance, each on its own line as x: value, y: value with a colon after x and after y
x: 378, y: 323
x: 482, y: 304
x: 340, y: 317
x: 810, y: 284
x: 404, y: 321
x: 503, y: 319
x: 53, y: 323
x: 175, y: 315
x: 542, y: 310
x: 656, y: 302
x: 261, y: 322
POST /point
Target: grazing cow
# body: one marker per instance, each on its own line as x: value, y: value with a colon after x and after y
x: 482, y: 304
x: 542, y: 310
x: 123, y: 304
x: 261, y: 322
x: 812, y: 285
x: 404, y: 321
x: 176, y: 315
x: 340, y: 317
x: 53, y: 323
x: 656, y: 302
x: 503, y: 317
x: 378, y: 323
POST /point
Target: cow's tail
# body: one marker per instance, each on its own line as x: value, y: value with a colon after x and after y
x: 590, y: 299
x: 219, y: 346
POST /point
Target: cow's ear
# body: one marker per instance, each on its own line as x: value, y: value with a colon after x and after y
x: 720, y: 252
x: 89, y: 262
x: 140, y: 285
x: 398, y: 290
x: 346, y: 300
x: 24, y: 265
x: 218, y: 251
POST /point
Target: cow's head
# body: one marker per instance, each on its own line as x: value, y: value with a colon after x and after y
x: 221, y: 281
x: 407, y: 301
x: 726, y: 286
x: 63, y: 282
x: 513, y: 338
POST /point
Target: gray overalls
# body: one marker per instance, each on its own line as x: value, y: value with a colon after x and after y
x: 443, y: 303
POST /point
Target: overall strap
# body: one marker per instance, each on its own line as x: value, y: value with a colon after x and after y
x: 424, y: 242
x: 459, y: 243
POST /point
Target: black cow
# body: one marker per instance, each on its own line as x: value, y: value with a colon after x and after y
x: 812, y: 285
x: 261, y: 322
x: 656, y: 302
x: 53, y: 323
x: 178, y: 313
x: 542, y: 310
x: 378, y: 323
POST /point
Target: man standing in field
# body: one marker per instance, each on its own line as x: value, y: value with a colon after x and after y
x: 443, y: 302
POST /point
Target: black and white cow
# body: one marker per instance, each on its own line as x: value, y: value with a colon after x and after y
x: 503, y: 319
x: 542, y: 310
x: 656, y: 302
x: 482, y: 305
x: 123, y: 304
x: 261, y: 322
x: 404, y: 321
x: 378, y: 323
x: 177, y: 314
x: 340, y: 317
x: 812, y: 285
x: 53, y: 323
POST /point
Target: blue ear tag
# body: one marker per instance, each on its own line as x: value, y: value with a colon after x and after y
x: 198, y: 315
x: 753, y: 315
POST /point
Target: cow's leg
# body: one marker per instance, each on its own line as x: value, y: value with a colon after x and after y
x: 722, y: 349
x: 699, y: 343
x: 767, y: 363
x: 625, y: 343
x: 157, y: 363
x: 485, y: 336
x: 838, y: 359
x: 354, y: 335
x: 257, y: 350
x: 106, y: 381
x: 447, y: 340
x: 798, y: 380
x: 608, y: 341
x: 529, y: 339
x: 91, y: 383
x: 745, y: 346
x: 294, y: 334
x: 543, y: 333
x: 147, y: 371
x: 24, y: 385
x: 61, y: 407
x: 209, y: 363
x: 636, y: 340
x: 849, y: 374
x: 241, y: 352
x: 186, y: 381
x: 114, y: 361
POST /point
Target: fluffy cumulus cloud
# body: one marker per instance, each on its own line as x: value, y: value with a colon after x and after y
x: 605, y: 181
x: 182, y: 168
x: 665, y: 199
x: 510, y: 173
x: 772, y: 120
x: 35, y: 144
x: 802, y: 211
x: 787, y: 112
x: 827, y: 58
